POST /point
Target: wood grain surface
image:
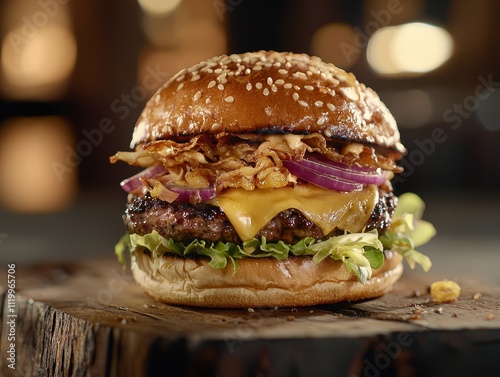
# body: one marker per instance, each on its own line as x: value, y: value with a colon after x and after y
x: 90, y: 319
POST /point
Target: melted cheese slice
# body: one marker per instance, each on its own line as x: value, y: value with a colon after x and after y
x: 250, y: 211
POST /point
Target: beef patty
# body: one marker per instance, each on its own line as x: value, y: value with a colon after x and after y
x: 184, y: 221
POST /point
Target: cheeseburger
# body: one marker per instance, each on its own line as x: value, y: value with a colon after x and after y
x: 266, y: 181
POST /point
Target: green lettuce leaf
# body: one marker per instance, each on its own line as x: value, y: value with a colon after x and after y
x: 409, y: 231
x: 348, y: 248
x: 351, y: 249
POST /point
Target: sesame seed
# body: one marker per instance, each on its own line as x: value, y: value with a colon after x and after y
x: 283, y: 71
x: 268, y: 111
x: 218, y: 71
x: 332, y: 92
x: 181, y: 85
x: 258, y: 85
x: 295, y: 96
x: 321, y: 121
x: 247, y: 71
x: 249, y: 86
x: 220, y: 87
x: 279, y: 82
x: 215, y: 126
x: 303, y: 103
x: 195, y: 78
x: 287, y: 85
x: 197, y: 95
x: 308, y: 87
x: 330, y: 106
x: 211, y: 84
x: 265, y: 92
x: 207, y: 101
x: 269, y: 81
x: 318, y: 103
x: 274, y: 88
x: 309, y: 73
x: 328, y: 133
x: 180, y: 78
x: 300, y: 75
x: 257, y: 68
x: 229, y: 99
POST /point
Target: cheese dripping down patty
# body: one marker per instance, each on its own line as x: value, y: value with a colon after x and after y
x: 250, y: 211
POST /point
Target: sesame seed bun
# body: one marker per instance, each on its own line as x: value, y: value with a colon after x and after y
x: 260, y: 282
x: 267, y: 92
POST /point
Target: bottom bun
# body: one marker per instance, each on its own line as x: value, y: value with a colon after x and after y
x: 263, y: 282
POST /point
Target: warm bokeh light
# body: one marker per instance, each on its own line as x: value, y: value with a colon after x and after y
x: 28, y: 149
x: 158, y: 7
x: 334, y: 43
x: 420, y: 47
x: 378, y: 52
x: 38, y: 67
x: 413, y: 48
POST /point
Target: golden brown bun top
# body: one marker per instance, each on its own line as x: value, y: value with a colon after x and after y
x: 267, y: 92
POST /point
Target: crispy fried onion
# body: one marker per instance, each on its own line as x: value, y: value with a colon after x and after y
x: 248, y: 161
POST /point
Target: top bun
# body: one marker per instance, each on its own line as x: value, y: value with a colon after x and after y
x: 267, y: 92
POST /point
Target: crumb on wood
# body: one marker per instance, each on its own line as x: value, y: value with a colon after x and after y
x: 477, y: 296
x: 445, y: 291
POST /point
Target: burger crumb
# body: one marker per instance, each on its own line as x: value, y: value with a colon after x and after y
x: 490, y: 317
x: 438, y: 310
x: 294, y: 310
x: 250, y: 310
x: 417, y: 293
x: 445, y: 291
x: 290, y: 318
x: 417, y: 311
x: 415, y: 317
x: 454, y: 315
x: 311, y: 311
x: 477, y: 296
x: 276, y: 308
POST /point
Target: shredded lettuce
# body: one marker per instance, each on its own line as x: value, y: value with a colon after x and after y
x: 361, y: 253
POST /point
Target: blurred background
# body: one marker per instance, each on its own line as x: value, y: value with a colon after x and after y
x: 74, y: 76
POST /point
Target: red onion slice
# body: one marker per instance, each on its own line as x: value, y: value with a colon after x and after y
x: 194, y: 195
x: 132, y: 183
x: 356, y: 174
x: 329, y: 182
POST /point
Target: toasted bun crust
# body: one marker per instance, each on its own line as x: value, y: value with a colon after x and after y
x: 267, y: 92
x: 263, y: 282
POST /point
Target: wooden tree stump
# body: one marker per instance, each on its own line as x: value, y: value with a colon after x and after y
x: 91, y: 319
